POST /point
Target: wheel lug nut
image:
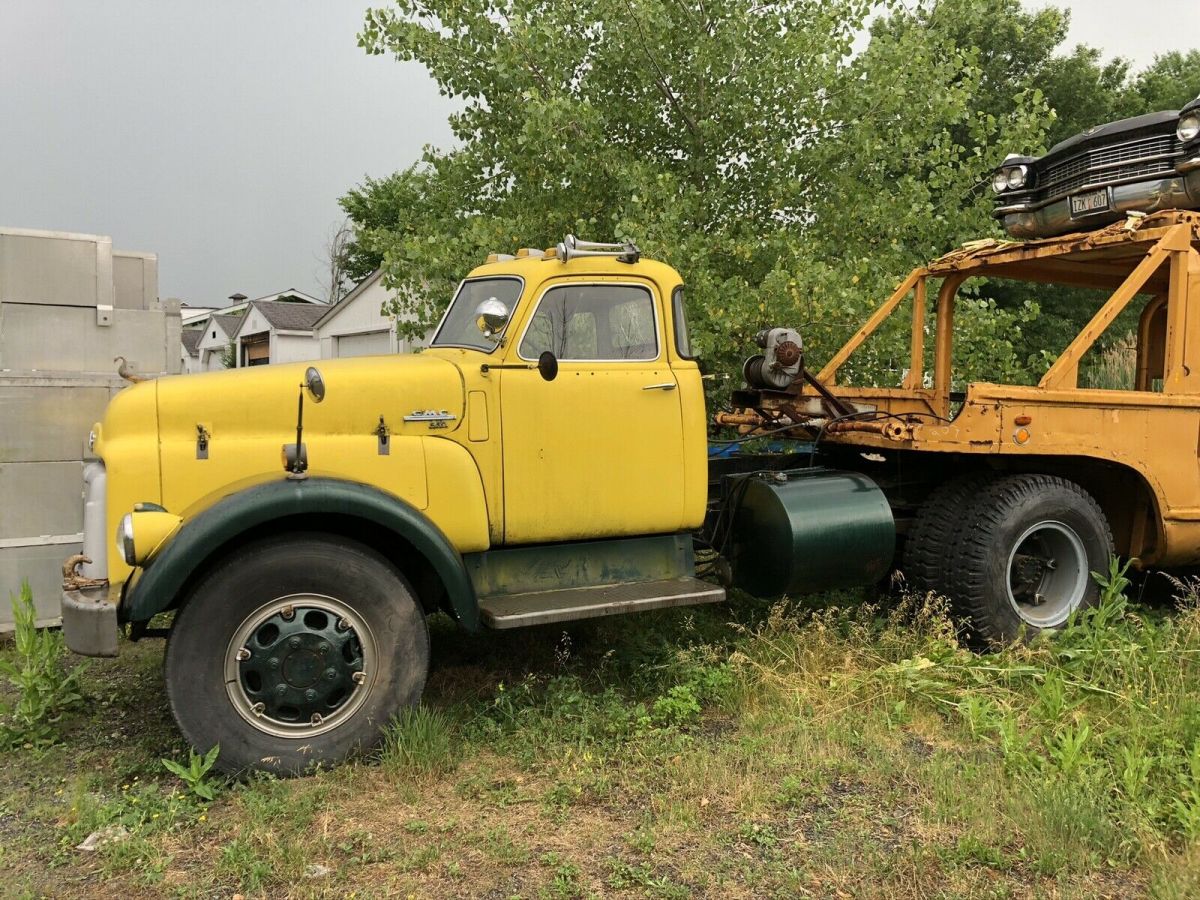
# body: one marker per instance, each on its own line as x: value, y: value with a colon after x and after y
x: 281, y: 689
x: 359, y: 677
x: 331, y: 674
x: 310, y: 695
x: 322, y: 648
x: 273, y: 662
x: 294, y: 643
x: 288, y: 612
x: 243, y: 654
x: 258, y: 708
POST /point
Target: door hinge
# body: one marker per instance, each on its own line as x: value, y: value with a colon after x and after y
x: 202, y: 439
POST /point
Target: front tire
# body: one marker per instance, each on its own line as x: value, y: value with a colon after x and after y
x: 1028, y: 546
x: 295, y: 651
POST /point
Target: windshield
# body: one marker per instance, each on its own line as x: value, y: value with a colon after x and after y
x: 459, y: 327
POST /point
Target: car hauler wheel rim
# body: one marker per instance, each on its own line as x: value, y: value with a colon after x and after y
x: 300, y: 665
x: 1047, y: 574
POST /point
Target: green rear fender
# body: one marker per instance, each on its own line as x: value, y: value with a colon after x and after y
x: 203, y: 539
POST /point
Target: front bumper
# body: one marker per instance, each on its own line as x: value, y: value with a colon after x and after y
x: 89, y: 621
x: 1049, y: 218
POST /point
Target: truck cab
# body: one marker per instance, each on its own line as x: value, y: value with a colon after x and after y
x: 619, y: 338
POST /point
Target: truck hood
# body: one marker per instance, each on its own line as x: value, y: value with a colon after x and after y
x: 262, y: 399
x: 245, y: 416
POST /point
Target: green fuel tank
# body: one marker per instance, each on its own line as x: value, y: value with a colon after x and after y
x: 808, y: 530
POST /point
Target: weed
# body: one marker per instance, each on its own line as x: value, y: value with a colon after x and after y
x: 624, y: 876
x: 419, y: 741
x: 240, y: 859
x: 565, y: 874
x: 501, y: 847
x: 759, y: 835
x: 195, y: 773
x: 44, y: 690
x: 677, y: 708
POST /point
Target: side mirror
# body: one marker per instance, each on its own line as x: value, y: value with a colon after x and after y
x: 491, y: 317
x: 314, y: 384
x: 548, y: 365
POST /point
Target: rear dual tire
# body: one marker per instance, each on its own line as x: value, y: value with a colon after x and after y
x: 294, y: 652
x: 1013, y: 554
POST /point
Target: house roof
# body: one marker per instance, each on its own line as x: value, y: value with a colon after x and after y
x: 191, y: 340
x: 284, y: 316
x: 294, y: 295
x: 354, y: 294
x: 228, y: 324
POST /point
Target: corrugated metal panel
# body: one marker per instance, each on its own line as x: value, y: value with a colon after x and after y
x: 56, y: 488
x: 135, y: 280
x: 48, y: 422
x: 42, y: 567
x: 55, y: 268
x: 67, y: 339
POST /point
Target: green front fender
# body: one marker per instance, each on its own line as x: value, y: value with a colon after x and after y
x: 199, y: 540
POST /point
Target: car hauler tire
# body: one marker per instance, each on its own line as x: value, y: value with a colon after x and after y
x: 295, y: 651
x: 1027, y: 547
x: 935, y: 528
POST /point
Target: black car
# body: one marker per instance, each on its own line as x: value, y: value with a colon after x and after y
x: 1143, y: 164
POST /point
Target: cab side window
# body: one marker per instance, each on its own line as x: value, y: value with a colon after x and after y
x: 593, y: 322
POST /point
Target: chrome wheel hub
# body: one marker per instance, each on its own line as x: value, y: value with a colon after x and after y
x: 299, y: 665
x: 1047, y: 574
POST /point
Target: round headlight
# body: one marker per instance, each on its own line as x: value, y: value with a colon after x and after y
x: 1000, y: 181
x: 125, y: 539
x: 1016, y: 177
x: 1188, y: 127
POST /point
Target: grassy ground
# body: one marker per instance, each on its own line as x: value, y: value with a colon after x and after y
x: 740, y: 751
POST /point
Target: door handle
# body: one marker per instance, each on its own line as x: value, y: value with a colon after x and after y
x: 665, y: 386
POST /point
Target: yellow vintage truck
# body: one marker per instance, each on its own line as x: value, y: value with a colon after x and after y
x: 547, y: 459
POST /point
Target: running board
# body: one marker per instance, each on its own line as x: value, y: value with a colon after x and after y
x: 542, y: 607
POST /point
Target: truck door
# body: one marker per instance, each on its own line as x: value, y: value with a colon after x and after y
x: 598, y: 452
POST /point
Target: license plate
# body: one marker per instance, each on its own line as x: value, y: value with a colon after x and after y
x: 1091, y: 202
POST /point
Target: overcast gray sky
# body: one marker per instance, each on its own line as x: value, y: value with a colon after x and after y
x: 220, y: 134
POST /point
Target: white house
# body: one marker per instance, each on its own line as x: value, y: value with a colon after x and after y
x: 274, y: 331
x: 208, y: 332
x: 218, y: 332
x: 189, y: 349
x: 358, y: 326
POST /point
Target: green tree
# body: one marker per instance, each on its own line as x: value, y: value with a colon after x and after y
x: 788, y: 179
x: 1171, y: 81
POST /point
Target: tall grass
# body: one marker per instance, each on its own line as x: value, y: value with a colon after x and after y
x: 418, y: 741
x: 1113, y: 367
x: 1095, y: 730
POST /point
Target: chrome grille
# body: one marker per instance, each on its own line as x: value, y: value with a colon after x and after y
x: 1140, y: 158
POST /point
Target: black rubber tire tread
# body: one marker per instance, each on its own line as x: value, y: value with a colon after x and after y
x: 258, y: 573
x: 977, y: 586
x: 931, y: 538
